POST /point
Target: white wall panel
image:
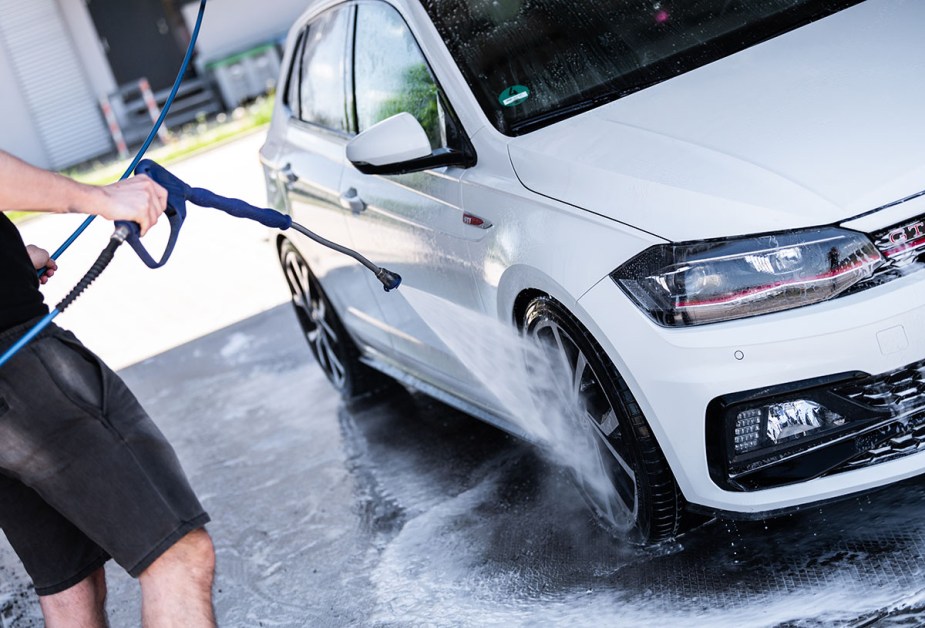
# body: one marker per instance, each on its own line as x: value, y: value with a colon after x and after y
x: 52, y: 81
x: 18, y: 134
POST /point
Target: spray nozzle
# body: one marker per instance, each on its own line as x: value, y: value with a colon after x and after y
x: 389, y: 280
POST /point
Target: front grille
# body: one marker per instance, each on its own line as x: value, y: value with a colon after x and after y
x: 903, y: 248
x: 902, y: 394
x: 902, y: 391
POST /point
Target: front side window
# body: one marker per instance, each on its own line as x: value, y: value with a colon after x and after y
x: 532, y: 62
x: 321, y: 89
x: 391, y: 75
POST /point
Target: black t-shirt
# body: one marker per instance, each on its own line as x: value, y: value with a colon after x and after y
x: 20, y: 298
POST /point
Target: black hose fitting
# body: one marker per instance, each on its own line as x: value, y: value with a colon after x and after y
x: 98, y: 267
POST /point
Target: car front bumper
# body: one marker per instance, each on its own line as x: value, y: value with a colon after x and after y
x: 677, y: 373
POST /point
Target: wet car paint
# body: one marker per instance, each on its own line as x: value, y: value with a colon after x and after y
x: 400, y: 511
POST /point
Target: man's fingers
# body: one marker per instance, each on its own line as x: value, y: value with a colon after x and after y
x: 158, y: 193
x: 49, y: 273
x: 139, y: 199
x: 161, y: 197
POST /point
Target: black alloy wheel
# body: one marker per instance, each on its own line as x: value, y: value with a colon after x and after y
x: 645, y: 503
x: 334, y: 350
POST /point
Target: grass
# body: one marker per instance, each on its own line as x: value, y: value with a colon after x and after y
x: 189, y: 140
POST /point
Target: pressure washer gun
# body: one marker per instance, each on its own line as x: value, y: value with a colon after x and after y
x: 178, y: 193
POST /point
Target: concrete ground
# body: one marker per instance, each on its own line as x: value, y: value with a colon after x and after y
x: 402, y: 512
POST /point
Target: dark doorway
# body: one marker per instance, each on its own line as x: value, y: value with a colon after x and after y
x: 139, y: 40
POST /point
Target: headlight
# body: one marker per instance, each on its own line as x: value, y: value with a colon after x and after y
x: 707, y: 282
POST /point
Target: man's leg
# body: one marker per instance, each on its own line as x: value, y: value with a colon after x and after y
x: 88, y: 450
x: 176, y: 589
x: 81, y: 606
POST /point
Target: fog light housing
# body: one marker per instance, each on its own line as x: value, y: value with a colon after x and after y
x: 787, y: 433
x: 777, y: 423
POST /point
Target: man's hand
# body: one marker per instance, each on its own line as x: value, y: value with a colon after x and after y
x: 41, y: 259
x: 138, y: 199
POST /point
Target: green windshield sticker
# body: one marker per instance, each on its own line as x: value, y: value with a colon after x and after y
x: 514, y: 95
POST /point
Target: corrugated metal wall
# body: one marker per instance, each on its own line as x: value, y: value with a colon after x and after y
x: 65, y: 111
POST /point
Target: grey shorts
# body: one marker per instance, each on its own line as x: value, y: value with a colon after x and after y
x: 85, y: 475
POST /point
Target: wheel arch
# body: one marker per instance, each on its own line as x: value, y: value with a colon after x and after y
x: 516, y: 312
x: 628, y: 395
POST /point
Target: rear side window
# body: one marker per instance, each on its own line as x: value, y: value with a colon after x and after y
x: 321, y: 86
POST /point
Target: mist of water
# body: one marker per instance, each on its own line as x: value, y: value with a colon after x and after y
x: 530, y: 385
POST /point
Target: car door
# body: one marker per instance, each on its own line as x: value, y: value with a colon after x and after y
x: 411, y: 223
x: 311, y: 164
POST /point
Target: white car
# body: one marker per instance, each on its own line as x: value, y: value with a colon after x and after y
x: 713, y: 208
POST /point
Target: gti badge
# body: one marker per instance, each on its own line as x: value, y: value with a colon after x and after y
x: 907, y: 233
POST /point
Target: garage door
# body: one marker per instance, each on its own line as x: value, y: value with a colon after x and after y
x: 64, y: 108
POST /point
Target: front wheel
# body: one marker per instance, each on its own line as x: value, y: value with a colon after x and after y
x: 332, y: 347
x: 641, y: 496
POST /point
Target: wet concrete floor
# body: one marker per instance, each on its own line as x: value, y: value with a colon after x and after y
x: 399, y: 511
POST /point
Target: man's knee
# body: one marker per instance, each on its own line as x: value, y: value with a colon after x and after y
x: 192, y: 554
x: 177, y: 587
x: 198, y: 546
x: 81, y: 604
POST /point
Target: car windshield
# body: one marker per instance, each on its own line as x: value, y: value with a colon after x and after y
x: 532, y: 62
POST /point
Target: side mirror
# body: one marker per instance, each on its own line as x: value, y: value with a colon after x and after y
x: 399, y: 145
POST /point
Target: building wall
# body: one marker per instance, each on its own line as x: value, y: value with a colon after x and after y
x: 56, y: 123
x: 18, y: 134
x: 89, y: 49
x: 49, y: 113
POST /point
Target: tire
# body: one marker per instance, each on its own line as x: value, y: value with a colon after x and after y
x: 334, y: 350
x: 645, y: 503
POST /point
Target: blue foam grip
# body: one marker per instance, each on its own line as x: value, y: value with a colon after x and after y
x: 239, y: 209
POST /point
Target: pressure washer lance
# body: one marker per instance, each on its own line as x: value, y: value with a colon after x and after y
x: 178, y: 193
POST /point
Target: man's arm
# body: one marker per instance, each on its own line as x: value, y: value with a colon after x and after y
x: 27, y: 188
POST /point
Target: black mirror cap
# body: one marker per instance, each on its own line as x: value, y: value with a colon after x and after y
x: 437, y: 159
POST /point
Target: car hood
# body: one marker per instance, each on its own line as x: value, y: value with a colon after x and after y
x: 810, y: 128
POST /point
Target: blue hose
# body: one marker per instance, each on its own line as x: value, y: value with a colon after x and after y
x: 42, y: 324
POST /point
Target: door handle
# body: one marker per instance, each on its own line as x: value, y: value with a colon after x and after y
x: 351, y: 200
x: 288, y: 175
